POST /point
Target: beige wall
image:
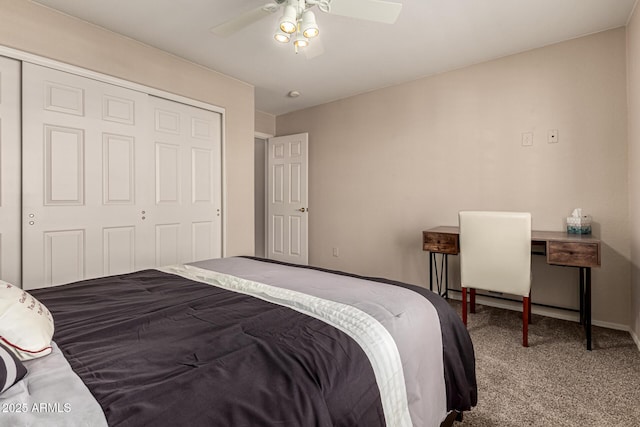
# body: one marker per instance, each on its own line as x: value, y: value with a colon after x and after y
x: 265, y: 123
x: 388, y: 164
x: 38, y: 30
x: 633, y: 84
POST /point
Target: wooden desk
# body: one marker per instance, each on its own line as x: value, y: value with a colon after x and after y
x: 560, y: 248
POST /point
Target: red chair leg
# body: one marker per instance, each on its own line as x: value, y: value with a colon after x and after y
x: 529, y: 307
x: 525, y: 321
x: 473, y: 300
x: 464, y: 306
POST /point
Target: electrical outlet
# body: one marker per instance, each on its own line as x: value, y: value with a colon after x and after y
x: 527, y: 139
x: 336, y: 253
x: 552, y: 136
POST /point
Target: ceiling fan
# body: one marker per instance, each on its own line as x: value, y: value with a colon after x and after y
x: 299, y: 19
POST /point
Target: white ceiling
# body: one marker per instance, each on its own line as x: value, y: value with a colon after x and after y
x: 429, y: 37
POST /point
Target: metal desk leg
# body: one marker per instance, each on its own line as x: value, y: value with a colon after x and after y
x: 587, y: 305
x: 445, y: 271
x: 430, y: 271
x: 581, y: 296
x: 442, y: 273
x: 446, y: 280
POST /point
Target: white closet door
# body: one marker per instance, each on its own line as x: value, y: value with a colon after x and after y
x: 187, y: 222
x: 85, y: 160
x: 114, y: 180
x: 10, y: 170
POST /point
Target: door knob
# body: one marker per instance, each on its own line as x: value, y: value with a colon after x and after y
x: 303, y: 210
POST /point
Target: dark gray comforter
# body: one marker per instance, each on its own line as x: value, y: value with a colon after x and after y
x: 157, y: 349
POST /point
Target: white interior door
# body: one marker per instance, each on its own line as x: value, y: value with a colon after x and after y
x: 85, y: 158
x: 10, y: 249
x: 187, y: 219
x: 287, y: 198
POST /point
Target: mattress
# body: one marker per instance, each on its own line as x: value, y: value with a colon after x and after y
x: 246, y: 342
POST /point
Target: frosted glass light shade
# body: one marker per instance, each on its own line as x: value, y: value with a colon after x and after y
x: 288, y: 22
x: 281, y: 36
x: 309, y: 27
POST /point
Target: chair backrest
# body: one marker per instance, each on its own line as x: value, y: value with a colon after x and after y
x: 495, y: 251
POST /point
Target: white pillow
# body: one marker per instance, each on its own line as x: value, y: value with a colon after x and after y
x: 26, y: 326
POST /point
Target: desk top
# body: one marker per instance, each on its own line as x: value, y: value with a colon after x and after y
x: 536, y: 235
x: 562, y: 248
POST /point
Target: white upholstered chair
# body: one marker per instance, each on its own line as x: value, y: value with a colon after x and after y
x: 495, y: 255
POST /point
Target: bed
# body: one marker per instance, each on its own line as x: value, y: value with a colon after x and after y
x: 243, y: 341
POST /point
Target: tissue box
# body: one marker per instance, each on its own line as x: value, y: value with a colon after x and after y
x: 579, y: 224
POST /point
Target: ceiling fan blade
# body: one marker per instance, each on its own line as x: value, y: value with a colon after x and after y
x: 370, y: 10
x: 239, y: 22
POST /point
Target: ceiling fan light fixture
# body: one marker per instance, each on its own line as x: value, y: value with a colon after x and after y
x: 281, y: 36
x: 298, y: 23
x: 288, y: 22
x: 300, y: 41
x: 309, y: 26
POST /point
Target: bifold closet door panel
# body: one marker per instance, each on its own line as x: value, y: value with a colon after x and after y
x: 114, y: 180
x: 87, y: 162
x: 188, y: 173
x: 10, y: 250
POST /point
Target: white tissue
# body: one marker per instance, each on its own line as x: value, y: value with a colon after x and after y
x: 578, y: 223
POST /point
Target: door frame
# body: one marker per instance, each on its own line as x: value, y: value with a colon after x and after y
x: 11, y: 172
x: 265, y: 138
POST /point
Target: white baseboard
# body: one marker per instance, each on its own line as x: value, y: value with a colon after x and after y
x: 555, y: 313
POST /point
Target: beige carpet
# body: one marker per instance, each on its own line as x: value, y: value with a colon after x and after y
x: 555, y: 381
